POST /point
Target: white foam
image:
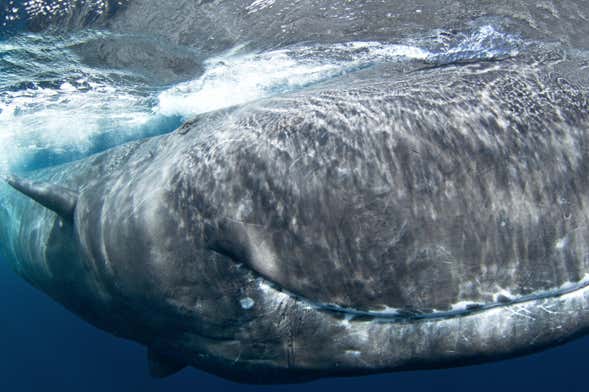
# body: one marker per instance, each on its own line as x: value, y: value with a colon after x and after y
x: 235, y: 78
x: 50, y: 102
x: 65, y: 118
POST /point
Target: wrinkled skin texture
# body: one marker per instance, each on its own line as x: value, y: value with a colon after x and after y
x: 334, y: 231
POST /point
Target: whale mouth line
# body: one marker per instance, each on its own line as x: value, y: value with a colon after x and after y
x: 501, y: 299
x: 408, y: 315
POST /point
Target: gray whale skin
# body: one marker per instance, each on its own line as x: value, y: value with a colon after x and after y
x: 385, y: 221
x: 435, y: 220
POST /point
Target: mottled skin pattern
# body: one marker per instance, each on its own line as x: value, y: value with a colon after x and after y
x: 375, y: 196
x: 413, y: 191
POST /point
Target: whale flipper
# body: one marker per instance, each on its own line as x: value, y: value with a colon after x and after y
x: 57, y: 198
x: 161, y: 366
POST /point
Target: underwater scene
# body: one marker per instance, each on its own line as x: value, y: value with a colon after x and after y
x: 294, y: 195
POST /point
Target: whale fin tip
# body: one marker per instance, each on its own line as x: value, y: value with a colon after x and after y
x: 57, y: 198
x: 161, y: 366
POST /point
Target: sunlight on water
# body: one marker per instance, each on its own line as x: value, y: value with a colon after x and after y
x: 12, y: 11
x: 49, y: 101
x: 54, y: 108
x: 237, y: 78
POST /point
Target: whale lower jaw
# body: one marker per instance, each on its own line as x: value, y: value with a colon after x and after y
x: 358, y: 343
x: 328, y: 342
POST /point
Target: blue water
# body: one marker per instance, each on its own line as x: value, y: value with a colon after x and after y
x: 54, y: 108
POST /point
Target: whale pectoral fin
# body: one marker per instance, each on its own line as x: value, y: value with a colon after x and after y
x: 161, y: 365
x: 59, y: 199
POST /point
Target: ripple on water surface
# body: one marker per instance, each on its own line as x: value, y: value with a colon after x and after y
x: 54, y: 108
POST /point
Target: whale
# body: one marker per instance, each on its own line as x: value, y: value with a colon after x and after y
x: 398, y: 217
x: 381, y: 222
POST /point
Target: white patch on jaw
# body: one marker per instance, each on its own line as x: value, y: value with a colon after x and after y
x: 463, y: 305
x: 247, y: 303
x: 346, y: 321
x: 502, y: 293
x: 363, y: 335
x: 272, y: 295
x: 571, y: 285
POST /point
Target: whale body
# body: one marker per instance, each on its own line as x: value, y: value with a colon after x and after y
x: 386, y: 220
x: 434, y: 220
